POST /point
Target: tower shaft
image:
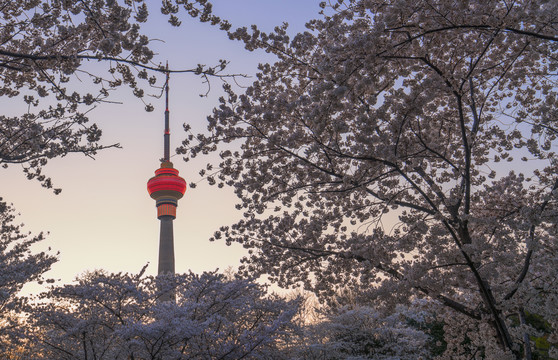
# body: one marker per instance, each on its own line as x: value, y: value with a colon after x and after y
x: 166, y: 246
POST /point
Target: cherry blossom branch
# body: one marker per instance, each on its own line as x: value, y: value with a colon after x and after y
x: 197, y: 71
x: 315, y: 254
x: 475, y: 27
x: 527, y: 261
x: 466, y: 174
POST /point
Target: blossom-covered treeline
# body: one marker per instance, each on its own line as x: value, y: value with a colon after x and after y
x: 404, y: 149
x: 362, y: 332
x: 121, y: 316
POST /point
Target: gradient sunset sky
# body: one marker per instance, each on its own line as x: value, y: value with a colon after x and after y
x: 104, y: 218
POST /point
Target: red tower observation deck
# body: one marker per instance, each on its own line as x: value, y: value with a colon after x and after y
x: 166, y: 187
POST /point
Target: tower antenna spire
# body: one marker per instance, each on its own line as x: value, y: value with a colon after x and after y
x: 166, y: 155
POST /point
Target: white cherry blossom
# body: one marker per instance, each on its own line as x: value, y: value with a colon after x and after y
x: 403, y: 149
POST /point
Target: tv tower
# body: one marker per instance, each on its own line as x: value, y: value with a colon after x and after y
x: 166, y: 187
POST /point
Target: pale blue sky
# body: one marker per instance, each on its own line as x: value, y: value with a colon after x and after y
x: 104, y: 217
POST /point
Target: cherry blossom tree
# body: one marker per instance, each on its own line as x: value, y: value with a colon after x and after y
x: 58, y: 59
x: 361, y: 332
x: 404, y: 149
x: 45, y: 49
x: 347, y: 329
x: 18, y: 266
x: 121, y: 316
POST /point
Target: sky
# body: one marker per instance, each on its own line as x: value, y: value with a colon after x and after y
x: 104, y: 217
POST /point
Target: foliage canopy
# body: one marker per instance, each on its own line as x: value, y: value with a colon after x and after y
x: 403, y: 149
